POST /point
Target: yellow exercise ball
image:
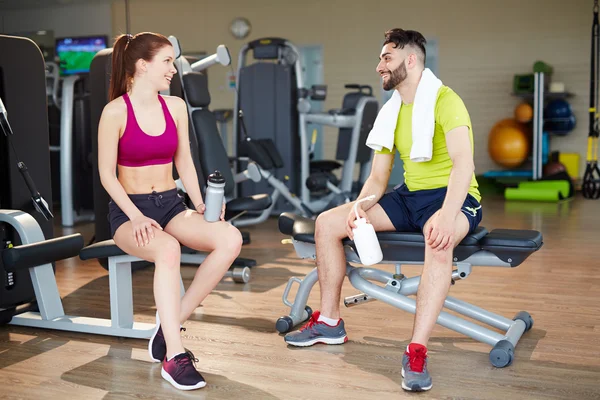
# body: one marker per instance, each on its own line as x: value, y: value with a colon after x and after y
x: 524, y: 112
x: 508, y: 144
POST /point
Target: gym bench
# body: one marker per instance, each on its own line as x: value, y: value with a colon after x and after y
x: 37, y: 254
x: 498, y: 248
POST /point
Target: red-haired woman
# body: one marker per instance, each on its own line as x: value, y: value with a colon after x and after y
x: 141, y: 134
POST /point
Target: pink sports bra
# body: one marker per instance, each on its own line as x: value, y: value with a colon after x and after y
x: 138, y: 149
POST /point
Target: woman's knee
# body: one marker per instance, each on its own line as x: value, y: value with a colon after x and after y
x: 169, y: 252
x: 231, y: 241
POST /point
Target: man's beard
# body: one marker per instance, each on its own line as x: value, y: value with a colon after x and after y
x: 397, y: 76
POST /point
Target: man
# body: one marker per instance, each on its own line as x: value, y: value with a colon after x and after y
x: 440, y: 197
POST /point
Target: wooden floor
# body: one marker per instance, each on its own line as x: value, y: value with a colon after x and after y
x: 243, y: 357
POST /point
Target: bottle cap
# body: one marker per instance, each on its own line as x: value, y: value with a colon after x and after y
x: 360, y: 221
x: 216, y: 177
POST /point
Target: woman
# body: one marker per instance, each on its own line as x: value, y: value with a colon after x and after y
x: 142, y: 133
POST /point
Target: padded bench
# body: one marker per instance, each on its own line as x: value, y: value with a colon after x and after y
x: 121, y: 288
x: 498, y: 248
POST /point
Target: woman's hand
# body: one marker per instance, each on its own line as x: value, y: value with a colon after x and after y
x: 143, y: 229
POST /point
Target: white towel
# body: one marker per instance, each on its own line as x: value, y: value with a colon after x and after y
x: 423, y: 120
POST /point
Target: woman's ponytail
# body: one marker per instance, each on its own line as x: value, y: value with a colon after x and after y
x: 118, y: 79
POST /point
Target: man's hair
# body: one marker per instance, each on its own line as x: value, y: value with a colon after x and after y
x: 402, y: 38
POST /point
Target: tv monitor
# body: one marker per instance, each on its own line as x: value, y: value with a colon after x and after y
x: 75, y: 54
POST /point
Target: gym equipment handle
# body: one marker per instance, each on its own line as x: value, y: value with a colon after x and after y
x: 38, y: 201
x: 286, y: 292
x: 33, y: 254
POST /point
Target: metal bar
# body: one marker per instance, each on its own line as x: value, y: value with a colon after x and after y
x: 540, y: 132
x: 348, y: 169
x: 66, y: 150
x: 471, y: 311
x: 536, y: 112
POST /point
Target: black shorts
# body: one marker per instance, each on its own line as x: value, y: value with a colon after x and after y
x: 409, y: 211
x: 161, y: 207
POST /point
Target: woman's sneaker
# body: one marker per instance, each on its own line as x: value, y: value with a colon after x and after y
x: 415, y: 376
x: 180, y: 372
x: 157, y: 347
x: 316, y: 331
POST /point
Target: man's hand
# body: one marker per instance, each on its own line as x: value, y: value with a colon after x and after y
x: 222, y: 217
x: 352, y: 217
x: 439, y: 233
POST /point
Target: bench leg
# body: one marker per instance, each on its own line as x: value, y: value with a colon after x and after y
x: 121, y: 293
x: 396, y: 293
x: 299, y: 311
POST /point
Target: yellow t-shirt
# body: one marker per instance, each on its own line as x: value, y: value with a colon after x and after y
x: 450, y: 112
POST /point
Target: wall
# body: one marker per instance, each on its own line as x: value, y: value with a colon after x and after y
x: 67, y: 20
x: 482, y: 44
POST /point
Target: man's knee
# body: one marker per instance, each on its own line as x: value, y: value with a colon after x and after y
x: 461, y: 229
x: 441, y: 255
x: 331, y: 223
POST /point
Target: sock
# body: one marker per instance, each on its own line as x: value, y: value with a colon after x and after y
x: 328, y: 321
x: 169, y: 359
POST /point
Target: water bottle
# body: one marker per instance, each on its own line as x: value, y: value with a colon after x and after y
x: 365, y: 238
x: 215, y: 193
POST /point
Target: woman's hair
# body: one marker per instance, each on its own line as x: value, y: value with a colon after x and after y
x: 127, y: 49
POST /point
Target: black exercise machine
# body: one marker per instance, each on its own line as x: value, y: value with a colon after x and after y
x: 26, y: 256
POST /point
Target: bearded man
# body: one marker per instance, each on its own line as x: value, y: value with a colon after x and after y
x: 439, y: 197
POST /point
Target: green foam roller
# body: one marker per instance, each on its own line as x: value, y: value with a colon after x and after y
x: 561, y: 186
x: 550, y: 191
x: 532, y: 194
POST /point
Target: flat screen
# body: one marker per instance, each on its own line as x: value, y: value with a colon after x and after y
x: 75, y: 54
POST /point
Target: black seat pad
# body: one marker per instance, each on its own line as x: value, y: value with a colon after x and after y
x: 104, y: 249
x: 512, y: 238
x: 257, y: 202
x: 324, y: 165
x: 108, y: 248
